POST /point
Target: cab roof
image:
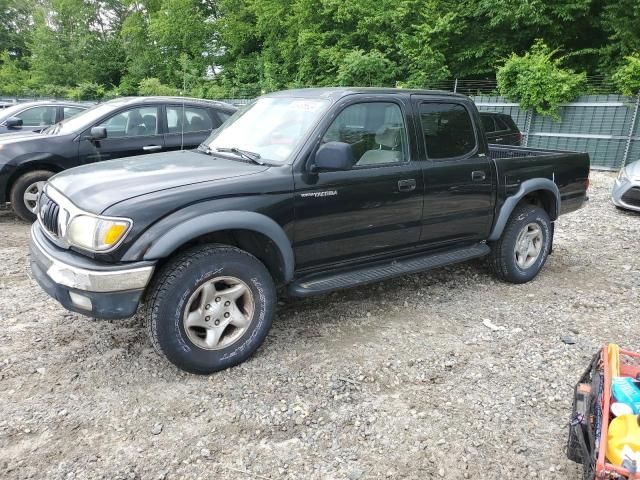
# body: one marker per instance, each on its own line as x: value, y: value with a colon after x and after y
x: 335, y: 93
x: 158, y: 99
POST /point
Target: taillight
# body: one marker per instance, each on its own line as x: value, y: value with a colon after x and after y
x: 586, y: 182
x: 520, y: 138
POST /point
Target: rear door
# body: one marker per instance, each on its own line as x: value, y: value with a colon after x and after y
x: 133, y: 131
x: 459, y: 177
x: 489, y: 125
x: 188, y: 125
x: 508, y: 130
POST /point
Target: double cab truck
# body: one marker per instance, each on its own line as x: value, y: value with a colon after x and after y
x: 301, y: 193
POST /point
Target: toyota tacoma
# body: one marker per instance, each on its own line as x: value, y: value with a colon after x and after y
x: 301, y: 193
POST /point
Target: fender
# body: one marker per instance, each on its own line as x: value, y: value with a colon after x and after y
x: 183, y: 232
x: 24, y: 163
x: 510, y: 203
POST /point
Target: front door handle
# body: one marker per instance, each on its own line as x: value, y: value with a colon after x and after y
x: 152, y: 148
x: 478, y: 176
x: 408, y: 185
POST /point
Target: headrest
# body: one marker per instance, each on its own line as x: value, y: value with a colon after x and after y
x: 388, y: 137
x: 134, y: 117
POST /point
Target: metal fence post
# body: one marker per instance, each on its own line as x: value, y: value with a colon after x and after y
x: 634, y: 118
x: 455, y: 86
x: 527, y: 126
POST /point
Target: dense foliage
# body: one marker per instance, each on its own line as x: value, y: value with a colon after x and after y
x: 537, y: 80
x: 627, y: 77
x: 243, y: 47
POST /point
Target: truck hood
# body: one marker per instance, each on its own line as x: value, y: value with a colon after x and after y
x: 96, y: 187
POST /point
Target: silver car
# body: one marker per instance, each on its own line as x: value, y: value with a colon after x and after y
x: 626, y: 190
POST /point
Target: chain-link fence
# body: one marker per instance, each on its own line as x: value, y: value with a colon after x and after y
x: 605, y: 126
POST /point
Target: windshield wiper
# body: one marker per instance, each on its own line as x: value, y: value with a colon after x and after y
x: 252, y: 156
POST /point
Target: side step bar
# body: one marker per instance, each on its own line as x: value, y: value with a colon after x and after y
x: 320, y: 283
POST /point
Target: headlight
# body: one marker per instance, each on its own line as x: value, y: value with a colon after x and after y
x: 622, y: 175
x: 95, y: 233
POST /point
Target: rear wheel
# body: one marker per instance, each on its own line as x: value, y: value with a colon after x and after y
x: 25, y: 191
x: 210, y: 308
x: 521, y: 252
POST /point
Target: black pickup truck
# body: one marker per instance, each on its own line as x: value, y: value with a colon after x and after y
x: 303, y: 192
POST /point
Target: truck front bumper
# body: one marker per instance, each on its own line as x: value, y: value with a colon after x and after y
x: 85, y: 286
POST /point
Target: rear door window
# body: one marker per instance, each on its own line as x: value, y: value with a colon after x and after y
x: 501, y: 125
x: 447, y: 129
x: 189, y: 119
x: 71, y: 111
x: 487, y: 123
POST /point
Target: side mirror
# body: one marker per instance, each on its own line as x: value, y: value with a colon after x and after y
x: 98, y: 133
x: 13, y: 122
x: 334, y: 156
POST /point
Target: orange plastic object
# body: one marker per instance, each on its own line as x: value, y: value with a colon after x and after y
x: 623, y: 431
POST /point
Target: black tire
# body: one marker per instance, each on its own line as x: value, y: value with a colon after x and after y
x: 19, y: 188
x: 169, y: 296
x: 503, y: 252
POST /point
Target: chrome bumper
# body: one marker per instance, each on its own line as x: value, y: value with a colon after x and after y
x: 80, y: 278
x: 85, y: 286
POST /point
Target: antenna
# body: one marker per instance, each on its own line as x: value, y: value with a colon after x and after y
x: 184, y: 87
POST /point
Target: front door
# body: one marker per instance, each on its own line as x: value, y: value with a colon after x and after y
x: 374, y: 207
x: 459, y: 177
x: 135, y: 131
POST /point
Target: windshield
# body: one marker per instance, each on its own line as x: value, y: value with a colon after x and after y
x: 81, y: 121
x: 11, y: 111
x: 271, y: 127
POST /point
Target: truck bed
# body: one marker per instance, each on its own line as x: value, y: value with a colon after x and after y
x: 509, y: 151
x: 568, y: 170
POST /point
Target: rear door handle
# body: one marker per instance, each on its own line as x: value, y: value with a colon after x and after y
x: 499, y: 139
x: 407, y: 185
x: 152, y: 148
x: 478, y: 176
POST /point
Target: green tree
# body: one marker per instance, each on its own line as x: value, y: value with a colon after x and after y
x: 371, y: 69
x: 12, y: 78
x: 627, y: 77
x: 537, y: 80
x: 15, y: 28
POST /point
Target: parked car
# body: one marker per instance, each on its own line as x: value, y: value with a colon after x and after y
x: 4, y: 104
x: 500, y: 128
x: 114, y: 129
x: 626, y: 189
x: 306, y: 191
x: 35, y: 116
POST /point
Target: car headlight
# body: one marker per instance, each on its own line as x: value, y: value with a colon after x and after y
x: 622, y: 175
x: 96, y: 233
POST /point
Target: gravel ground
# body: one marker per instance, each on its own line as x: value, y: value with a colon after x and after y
x: 394, y: 380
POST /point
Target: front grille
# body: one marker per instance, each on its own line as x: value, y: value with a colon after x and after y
x: 632, y: 197
x: 49, y: 211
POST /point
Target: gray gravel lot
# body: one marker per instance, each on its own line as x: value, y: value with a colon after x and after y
x: 393, y: 380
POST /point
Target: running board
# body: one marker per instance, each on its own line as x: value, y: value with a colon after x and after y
x: 320, y: 283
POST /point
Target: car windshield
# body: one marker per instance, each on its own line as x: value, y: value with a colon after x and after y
x: 270, y: 128
x: 82, y: 120
x: 11, y: 111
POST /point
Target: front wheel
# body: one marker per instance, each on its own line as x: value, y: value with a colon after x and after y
x: 25, y: 192
x: 210, y: 308
x: 521, y: 252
